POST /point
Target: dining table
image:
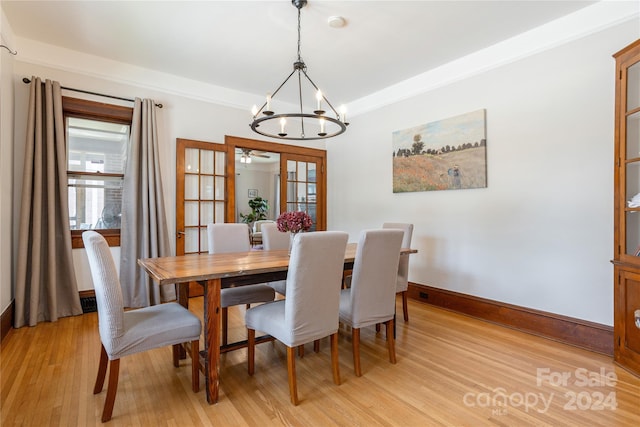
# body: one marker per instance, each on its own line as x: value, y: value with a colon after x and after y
x: 218, y: 271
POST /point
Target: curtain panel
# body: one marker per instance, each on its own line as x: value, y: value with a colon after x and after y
x: 46, y: 287
x: 143, y: 232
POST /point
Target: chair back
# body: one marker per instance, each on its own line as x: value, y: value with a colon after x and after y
x: 107, y: 288
x: 274, y: 239
x: 313, y: 285
x: 228, y: 237
x: 403, y: 266
x: 373, y: 283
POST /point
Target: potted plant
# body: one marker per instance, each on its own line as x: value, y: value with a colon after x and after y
x: 259, y: 208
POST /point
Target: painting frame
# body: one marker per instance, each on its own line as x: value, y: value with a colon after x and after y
x: 447, y: 154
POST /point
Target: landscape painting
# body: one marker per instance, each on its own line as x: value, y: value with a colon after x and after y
x: 449, y: 154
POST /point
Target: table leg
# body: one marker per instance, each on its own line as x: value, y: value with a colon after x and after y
x: 212, y: 338
x: 182, y: 289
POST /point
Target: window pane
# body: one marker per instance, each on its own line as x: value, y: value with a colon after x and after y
x: 96, y: 146
x: 94, y: 202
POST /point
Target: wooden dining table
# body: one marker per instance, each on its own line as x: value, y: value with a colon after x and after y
x: 217, y: 271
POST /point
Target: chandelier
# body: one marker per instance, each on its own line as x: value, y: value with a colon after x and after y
x: 269, y: 122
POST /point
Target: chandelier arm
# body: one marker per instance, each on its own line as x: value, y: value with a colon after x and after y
x: 323, y: 97
x: 276, y: 91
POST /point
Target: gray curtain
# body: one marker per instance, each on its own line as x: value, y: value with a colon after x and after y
x: 46, y: 287
x: 143, y: 233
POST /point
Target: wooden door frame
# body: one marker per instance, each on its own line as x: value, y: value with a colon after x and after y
x: 234, y: 142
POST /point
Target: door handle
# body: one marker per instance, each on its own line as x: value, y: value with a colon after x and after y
x: 180, y: 234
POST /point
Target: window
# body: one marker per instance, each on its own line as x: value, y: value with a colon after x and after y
x: 97, y: 138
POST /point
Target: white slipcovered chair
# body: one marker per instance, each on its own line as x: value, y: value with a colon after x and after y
x: 127, y: 332
x: 234, y: 237
x: 403, y: 265
x: 371, y: 298
x: 256, y: 234
x: 273, y: 240
x: 310, y: 311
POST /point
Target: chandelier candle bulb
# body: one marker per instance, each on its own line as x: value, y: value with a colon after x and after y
x: 283, y: 122
x: 319, y: 98
x: 254, y: 110
x: 322, y: 132
x: 343, y: 113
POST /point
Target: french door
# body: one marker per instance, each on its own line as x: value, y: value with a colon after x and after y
x: 302, y: 187
x: 205, y: 187
x: 201, y: 195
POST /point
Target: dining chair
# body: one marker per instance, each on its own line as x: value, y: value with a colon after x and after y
x: 403, y: 265
x: 371, y: 298
x: 274, y: 239
x: 310, y: 311
x: 123, y: 333
x: 256, y: 234
x: 233, y: 237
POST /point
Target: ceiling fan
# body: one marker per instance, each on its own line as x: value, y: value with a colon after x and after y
x: 246, y: 155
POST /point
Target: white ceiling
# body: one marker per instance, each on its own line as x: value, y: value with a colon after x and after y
x: 250, y: 46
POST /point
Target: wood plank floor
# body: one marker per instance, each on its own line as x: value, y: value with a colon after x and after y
x: 451, y: 370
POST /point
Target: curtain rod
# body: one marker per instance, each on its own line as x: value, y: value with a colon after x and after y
x: 27, y: 80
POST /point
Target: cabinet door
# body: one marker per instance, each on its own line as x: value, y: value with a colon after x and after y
x: 627, y: 331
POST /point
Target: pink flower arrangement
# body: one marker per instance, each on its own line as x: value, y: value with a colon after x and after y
x: 294, y: 222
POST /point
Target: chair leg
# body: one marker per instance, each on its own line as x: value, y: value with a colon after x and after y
x: 391, y: 341
x: 176, y: 354
x: 316, y: 346
x: 291, y: 372
x: 405, y: 308
x: 377, y: 327
x: 102, y: 370
x: 251, y: 350
x: 225, y: 319
x: 301, y: 351
x: 335, y: 363
x: 355, y: 341
x: 195, y: 366
x: 112, y: 388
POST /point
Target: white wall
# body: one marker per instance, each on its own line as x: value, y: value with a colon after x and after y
x: 541, y: 234
x: 6, y: 163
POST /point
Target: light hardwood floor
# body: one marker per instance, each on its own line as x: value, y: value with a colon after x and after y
x: 451, y: 370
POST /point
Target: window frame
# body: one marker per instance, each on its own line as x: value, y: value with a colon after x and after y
x: 85, y: 109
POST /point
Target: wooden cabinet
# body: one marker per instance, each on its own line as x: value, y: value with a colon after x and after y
x: 627, y: 209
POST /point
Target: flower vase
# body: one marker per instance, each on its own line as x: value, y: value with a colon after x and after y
x: 292, y: 237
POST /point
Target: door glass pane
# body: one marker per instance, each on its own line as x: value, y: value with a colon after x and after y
x: 191, y: 237
x: 190, y: 213
x: 633, y: 136
x: 219, y: 212
x: 191, y: 160
x: 206, y: 161
x: 219, y: 194
x: 204, y: 240
x: 311, y: 176
x: 220, y: 160
x: 633, y: 183
x: 206, y: 188
x: 302, y: 170
x: 633, y: 233
x: 633, y: 86
x: 206, y: 213
x: 191, y: 187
